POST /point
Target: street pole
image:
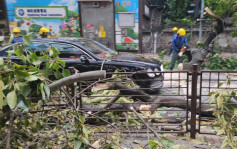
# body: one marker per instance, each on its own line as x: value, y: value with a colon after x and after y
x: 201, y: 17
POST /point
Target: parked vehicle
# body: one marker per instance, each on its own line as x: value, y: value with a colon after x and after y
x: 88, y: 55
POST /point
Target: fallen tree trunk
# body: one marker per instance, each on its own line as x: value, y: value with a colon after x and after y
x: 199, y: 54
x: 167, y: 101
x: 134, y: 92
x: 145, y: 99
x: 76, y: 78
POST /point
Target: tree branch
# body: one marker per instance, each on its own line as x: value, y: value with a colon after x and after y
x: 77, y: 77
x: 154, y: 132
x: 8, y: 143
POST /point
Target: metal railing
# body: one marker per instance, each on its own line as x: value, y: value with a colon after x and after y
x: 176, y: 107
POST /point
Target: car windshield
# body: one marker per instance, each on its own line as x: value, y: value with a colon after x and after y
x: 97, y: 48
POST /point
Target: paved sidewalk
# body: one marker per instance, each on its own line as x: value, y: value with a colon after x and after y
x: 167, y: 58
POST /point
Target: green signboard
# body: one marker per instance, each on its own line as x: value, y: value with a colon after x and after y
x: 37, y: 12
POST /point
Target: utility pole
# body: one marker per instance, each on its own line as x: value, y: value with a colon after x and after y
x: 201, y: 17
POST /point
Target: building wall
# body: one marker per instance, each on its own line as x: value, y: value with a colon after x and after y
x: 3, y: 19
x: 98, y: 22
x: 68, y: 26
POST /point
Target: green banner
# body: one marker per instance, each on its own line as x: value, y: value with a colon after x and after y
x: 47, y: 12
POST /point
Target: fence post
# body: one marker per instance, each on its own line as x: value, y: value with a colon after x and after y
x: 193, y: 100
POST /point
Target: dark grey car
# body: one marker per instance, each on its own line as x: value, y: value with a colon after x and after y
x: 88, y: 55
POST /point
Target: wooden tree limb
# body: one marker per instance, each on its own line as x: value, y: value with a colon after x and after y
x: 164, y: 101
x: 212, y: 14
x: 199, y: 54
x: 131, y: 92
x: 154, y: 132
x: 109, y: 104
x: 8, y: 143
x: 77, y: 77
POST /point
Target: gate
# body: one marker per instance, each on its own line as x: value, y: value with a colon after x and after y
x: 213, y: 81
x: 109, y: 101
x: 122, y: 106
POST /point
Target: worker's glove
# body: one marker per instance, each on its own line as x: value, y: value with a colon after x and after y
x: 181, y: 53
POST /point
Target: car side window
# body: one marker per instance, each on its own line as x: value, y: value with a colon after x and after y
x: 67, y: 50
x: 39, y: 46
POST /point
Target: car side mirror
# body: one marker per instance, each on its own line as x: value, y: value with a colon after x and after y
x: 84, y: 59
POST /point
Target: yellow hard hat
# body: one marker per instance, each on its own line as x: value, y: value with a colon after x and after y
x: 44, y: 30
x: 175, y: 29
x: 181, y: 32
x: 16, y: 30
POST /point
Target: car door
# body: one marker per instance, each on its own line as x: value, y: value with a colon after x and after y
x: 73, y: 57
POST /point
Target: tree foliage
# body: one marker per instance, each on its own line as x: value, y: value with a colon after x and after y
x: 222, y: 7
x: 226, y: 115
x: 176, y: 9
x: 18, y: 80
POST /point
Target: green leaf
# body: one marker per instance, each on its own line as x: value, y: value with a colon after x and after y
x: 55, y: 50
x: 25, y: 90
x: 32, y: 78
x: 12, y: 99
x: 1, y: 93
x: 84, y: 140
x: 66, y: 73
x: 20, y: 67
x: 23, y: 58
x: 22, y: 103
x: 1, y: 96
x: 50, y: 52
x: 36, y: 62
x: 176, y: 147
x: 62, y: 62
x: 220, y: 84
x: 38, y: 125
x: 21, y: 74
x: 77, y: 144
x: 47, y: 90
x: 42, y: 91
x: 219, y: 101
x: 170, y: 143
x: 195, y: 141
x: 55, y: 66
x: 85, y: 131
x: 58, y: 75
x: 82, y: 119
x: 213, y: 97
x: 16, y: 86
x: 227, y: 80
x: 34, y: 56
x: 153, y: 144
x: 1, y: 61
x: 74, y: 113
x: 225, y: 143
x: 220, y: 132
x: 26, y: 40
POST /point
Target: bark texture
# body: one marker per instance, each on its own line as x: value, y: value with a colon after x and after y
x: 76, y: 78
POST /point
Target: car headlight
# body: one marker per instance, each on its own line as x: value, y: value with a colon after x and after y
x: 150, y: 74
x: 161, y: 67
x: 156, y: 71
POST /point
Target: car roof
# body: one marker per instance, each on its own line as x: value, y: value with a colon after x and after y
x: 63, y: 39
